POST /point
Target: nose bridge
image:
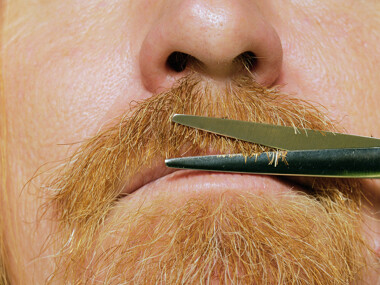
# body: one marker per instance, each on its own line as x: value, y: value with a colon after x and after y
x: 214, y: 32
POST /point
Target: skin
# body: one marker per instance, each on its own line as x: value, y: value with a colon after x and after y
x: 71, y: 66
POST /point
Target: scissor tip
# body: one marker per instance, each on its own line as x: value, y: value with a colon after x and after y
x: 173, y: 162
x: 177, y: 117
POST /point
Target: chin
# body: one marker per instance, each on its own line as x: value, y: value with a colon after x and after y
x: 214, y: 228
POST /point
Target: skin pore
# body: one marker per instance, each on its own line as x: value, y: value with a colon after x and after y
x: 69, y: 68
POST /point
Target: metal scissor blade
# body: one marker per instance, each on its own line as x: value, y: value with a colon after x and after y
x: 287, y: 138
x: 342, y: 163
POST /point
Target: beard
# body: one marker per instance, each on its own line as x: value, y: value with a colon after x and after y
x: 104, y: 234
x: 235, y: 237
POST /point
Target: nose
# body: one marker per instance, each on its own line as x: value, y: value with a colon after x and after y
x: 214, y: 37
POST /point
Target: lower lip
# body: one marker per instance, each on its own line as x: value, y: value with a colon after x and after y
x: 188, y: 182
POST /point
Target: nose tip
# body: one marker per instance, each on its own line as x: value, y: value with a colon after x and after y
x: 218, y: 40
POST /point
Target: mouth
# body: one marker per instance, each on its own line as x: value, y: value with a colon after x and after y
x: 158, y: 179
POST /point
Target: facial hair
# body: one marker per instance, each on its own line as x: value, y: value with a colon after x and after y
x: 231, y: 238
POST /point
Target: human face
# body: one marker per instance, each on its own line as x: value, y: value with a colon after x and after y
x: 70, y: 67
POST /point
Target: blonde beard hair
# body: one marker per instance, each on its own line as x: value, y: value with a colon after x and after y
x: 253, y: 239
x: 227, y: 238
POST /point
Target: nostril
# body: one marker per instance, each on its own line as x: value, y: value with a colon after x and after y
x: 248, y: 59
x: 177, y: 61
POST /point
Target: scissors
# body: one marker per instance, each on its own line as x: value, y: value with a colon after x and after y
x: 307, y: 152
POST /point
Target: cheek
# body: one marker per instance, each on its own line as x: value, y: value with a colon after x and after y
x: 63, y: 76
x: 69, y: 75
x: 331, y: 57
